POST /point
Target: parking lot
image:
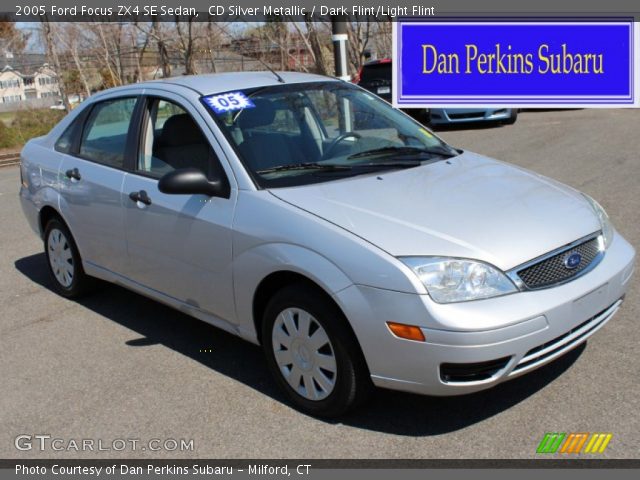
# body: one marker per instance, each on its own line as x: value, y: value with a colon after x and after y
x: 117, y: 365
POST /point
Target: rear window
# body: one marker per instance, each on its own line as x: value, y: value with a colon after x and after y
x: 376, y: 71
x: 104, y: 138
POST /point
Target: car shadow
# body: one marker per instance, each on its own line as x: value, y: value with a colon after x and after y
x: 388, y: 411
x: 542, y: 110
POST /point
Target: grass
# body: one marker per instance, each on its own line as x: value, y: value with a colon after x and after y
x: 16, y: 128
x: 7, y: 117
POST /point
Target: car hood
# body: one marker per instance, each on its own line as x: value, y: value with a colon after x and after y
x: 469, y: 206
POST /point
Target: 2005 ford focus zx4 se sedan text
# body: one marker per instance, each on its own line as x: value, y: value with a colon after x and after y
x: 307, y: 215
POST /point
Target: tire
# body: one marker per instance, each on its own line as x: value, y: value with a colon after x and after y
x: 64, y: 262
x: 330, y: 376
x: 512, y: 118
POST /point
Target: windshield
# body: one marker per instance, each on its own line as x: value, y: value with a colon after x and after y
x: 288, y: 135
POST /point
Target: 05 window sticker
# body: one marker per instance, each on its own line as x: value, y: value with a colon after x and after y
x: 228, y: 102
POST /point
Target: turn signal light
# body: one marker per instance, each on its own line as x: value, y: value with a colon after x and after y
x: 408, y: 332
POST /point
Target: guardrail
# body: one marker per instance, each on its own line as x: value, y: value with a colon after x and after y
x: 7, y: 159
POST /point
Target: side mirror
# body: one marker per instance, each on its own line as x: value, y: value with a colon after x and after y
x: 190, y: 181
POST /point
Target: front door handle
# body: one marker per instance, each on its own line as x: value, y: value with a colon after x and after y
x: 141, y: 197
x: 73, y: 174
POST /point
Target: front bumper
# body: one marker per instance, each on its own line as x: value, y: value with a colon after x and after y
x: 523, y: 331
x: 442, y: 116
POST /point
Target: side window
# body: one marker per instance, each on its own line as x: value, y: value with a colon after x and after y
x: 104, y: 139
x: 171, y: 139
x: 65, y: 142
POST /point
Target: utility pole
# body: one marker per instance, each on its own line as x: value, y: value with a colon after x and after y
x: 340, y: 38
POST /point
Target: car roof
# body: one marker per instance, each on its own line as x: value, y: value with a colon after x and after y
x: 222, y: 82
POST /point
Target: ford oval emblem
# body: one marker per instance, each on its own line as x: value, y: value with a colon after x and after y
x: 572, y: 260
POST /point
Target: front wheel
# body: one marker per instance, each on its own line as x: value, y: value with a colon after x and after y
x: 312, y: 353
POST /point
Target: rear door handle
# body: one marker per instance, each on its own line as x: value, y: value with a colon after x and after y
x: 141, y: 197
x: 73, y: 174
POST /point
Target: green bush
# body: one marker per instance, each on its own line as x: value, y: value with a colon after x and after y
x: 6, y: 136
x: 26, y: 125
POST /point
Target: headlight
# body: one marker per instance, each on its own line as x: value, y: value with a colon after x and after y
x: 451, y: 280
x: 605, y: 223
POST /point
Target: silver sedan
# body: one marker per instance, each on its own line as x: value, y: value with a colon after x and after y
x: 306, y: 215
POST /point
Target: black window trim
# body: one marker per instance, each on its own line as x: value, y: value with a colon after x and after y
x: 143, y: 116
x: 76, y: 126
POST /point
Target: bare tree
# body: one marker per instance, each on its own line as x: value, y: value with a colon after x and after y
x: 275, y: 36
x: 212, y: 38
x: 316, y: 40
x: 139, y: 51
x: 359, y: 36
x: 158, y: 34
x: 118, y: 33
x: 383, y: 38
x: 71, y: 37
x: 154, y: 32
x: 52, y: 53
x: 105, y: 54
x: 12, y: 39
x: 186, y: 42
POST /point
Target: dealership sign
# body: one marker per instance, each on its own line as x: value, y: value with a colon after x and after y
x: 516, y: 64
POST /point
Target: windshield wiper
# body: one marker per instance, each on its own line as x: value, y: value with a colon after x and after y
x: 374, y: 165
x: 332, y: 167
x: 327, y: 167
x: 403, y: 151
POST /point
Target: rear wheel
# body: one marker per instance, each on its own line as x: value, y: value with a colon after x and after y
x: 312, y: 353
x: 64, y: 261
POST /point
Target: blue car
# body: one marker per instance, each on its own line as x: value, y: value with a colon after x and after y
x: 375, y: 76
x: 447, y: 116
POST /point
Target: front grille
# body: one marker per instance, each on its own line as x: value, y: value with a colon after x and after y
x: 471, y: 372
x: 552, y: 270
x: 462, y: 116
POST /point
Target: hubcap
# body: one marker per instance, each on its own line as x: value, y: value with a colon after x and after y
x: 60, y: 257
x: 304, y: 354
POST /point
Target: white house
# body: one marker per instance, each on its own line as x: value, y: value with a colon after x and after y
x: 43, y: 83
x: 11, y: 86
x: 32, y: 82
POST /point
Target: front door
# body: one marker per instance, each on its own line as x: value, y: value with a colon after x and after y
x: 178, y: 245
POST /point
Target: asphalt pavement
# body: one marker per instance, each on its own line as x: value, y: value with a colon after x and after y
x: 116, y: 365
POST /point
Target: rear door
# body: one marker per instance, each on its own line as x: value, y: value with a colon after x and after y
x: 91, y: 177
x: 179, y: 245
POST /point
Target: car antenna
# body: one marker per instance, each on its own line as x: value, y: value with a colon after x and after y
x: 266, y: 65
